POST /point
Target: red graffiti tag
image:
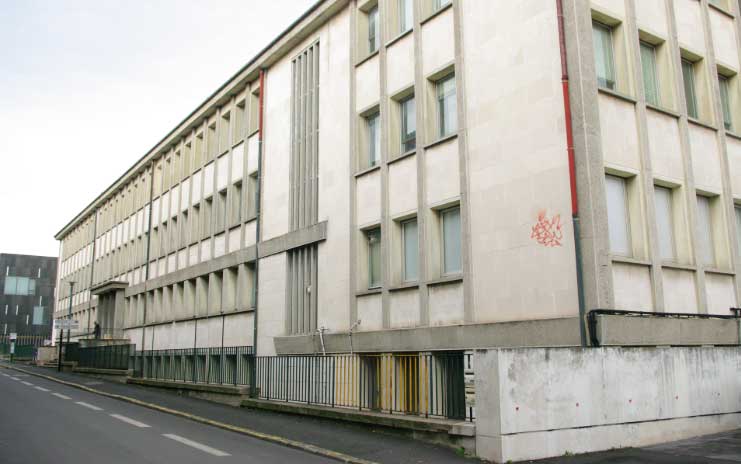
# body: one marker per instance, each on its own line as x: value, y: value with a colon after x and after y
x: 546, y: 231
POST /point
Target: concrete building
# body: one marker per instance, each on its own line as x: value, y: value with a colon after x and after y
x: 406, y: 190
x: 27, y: 296
x: 434, y: 175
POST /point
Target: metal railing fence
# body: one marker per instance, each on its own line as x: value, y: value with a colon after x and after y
x: 21, y: 351
x: 216, y: 365
x: 21, y: 339
x: 105, y: 357
x: 425, y: 384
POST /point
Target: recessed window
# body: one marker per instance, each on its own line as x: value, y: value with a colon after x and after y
x: 706, y: 243
x: 451, y: 234
x: 373, y: 239
x: 617, y: 215
x: 410, y: 250
x: 406, y: 15
x: 690, y: 90
x: 447, y: 108
x: 738, y: 225
x: 373, y: 30
x: 373, y: 127
x: 408, y: 109
x: 665, y: 223
x: 725, y: 101
x: 650, y: 77
x: 438, y: 4
x: 604, y: 55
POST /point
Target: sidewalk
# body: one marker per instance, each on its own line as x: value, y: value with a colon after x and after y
x: 362, y: 441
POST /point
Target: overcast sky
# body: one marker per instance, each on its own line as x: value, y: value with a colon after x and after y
x: 87, y: 87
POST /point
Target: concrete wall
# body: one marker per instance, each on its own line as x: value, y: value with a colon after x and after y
x: 540, y: 402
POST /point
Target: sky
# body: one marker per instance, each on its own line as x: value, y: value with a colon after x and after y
x: 87, y: 87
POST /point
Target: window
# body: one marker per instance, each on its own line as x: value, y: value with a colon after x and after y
x: 406, y: 15
x: 408, y: 124
x: 451, y: 224
x: 603, y: 55
x: 738, y: 225
x: 38, y: 315
x: 690, y: 95
x: 725, y: 102
x: 706, y: 247
x: 410, y: 250
x: 19, y: 286
x: 374, y: 139
x: 665, y: 222
x: 373, y: 29
x: 373, y: 237
x: 650, y: 79
x: 447, y: 106
x: 438, y: 4
x: 617, y: 215
x: 252, y: 195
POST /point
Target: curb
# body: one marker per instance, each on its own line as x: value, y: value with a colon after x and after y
x: 309, y: 448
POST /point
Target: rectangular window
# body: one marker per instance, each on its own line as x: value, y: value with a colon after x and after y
x: 437, y: 4
x: 410, y: 245
x: 738, y: 225
x: 38, y: 315
x: 725, y: 102
x: 665, y: 222
x: 451, y: 224
x: 706, y: 247
x: 617, y: 215
x: 447, y: 111
x: 373, y: 29
x: 690, y: 95
x: 603, y: 55
x: 10, y: 286
x: 406, y: 15
x: 650, y: 79
x: 373, y: 237
x: 374, y: 139
x: 408, y: 110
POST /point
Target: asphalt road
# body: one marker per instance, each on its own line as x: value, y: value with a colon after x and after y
x: 46, y: 422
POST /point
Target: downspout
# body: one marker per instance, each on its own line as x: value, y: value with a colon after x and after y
x: 572, y: 174
x: 258, y: 214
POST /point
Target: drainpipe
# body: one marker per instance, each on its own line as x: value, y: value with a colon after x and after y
x: 258, y: 214
x: 572, y: 173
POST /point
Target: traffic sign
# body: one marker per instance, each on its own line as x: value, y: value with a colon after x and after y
x: 67, y: 324
x: 13, y: 335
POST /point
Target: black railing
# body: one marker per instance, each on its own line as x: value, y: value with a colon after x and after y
x: 216, y: 365
x: 425, y: 384
x: 26, y: 340
x: 105, y: 357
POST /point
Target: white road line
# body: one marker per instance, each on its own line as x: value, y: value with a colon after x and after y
x: 15, y: 378
x: 196, y: 445
x: 89, y: 406
x: 133, y: 422
x: 26, y: 383
x: 59, y: 395
x: 41, y: 389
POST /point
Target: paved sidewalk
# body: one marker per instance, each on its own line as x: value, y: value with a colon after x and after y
x: 362, y: 441
x: 722, y: 448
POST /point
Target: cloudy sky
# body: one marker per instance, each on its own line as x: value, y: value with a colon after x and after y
x: 87, y: 87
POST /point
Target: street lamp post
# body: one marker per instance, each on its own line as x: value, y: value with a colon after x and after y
x: 61, y: 331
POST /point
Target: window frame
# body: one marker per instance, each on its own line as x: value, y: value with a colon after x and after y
x: 442, y: 98
x: 406, y: 21
x: 372, y: 234
x: 373, y: 128
x: 724, y: 87
x: 373, y: 39
x: 705, y: 235
x: 689, y: 84
x: 671, y: 221
x: 404, y: 248
x: 408, y: 140
x: 607, y: 52
x: 627, y: 249
x: 445, y: 271
x: 645, y: 46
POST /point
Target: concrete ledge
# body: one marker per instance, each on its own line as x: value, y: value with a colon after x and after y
x: 540, y: 333
x: 397, y: 421
x: 224, y: 394
x: 92, y: 370
x: 619, y: 330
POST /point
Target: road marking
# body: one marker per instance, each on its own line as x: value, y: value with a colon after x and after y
x: 133, y: 422
x: 59, y: 395
x: 16, y: 378
x: 89, y: 406
x: 41, y: 389
x: 26, y: 383
x: 94, y: 383
x: 196, y: 445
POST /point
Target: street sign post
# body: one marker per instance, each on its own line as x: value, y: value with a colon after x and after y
x: 13, y: 336
x: 61, y: 325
